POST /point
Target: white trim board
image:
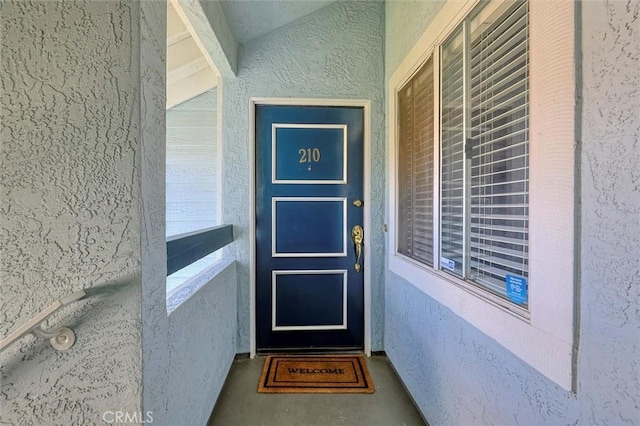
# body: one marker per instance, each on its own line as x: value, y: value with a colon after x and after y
x: 365, y: 104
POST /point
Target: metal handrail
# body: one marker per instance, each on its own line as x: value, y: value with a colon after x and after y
x: 61, y: 338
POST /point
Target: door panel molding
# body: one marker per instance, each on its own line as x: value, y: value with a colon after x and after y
x: 274, y: 290
x: 274, y: 154
x: 365, y: 104
x: 274, y: 228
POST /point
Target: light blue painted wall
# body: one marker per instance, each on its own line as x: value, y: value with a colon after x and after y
x: 251, y: 19
x: 73, y: 89
x: 209, y: 22
x: 202, y: 346
x: 186, y: 353
x: 405, y: 21
x: 191, y: 350
x: 456, y: 374
x: 335, y: 53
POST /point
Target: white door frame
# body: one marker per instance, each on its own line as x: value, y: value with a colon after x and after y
x: 366, y: 106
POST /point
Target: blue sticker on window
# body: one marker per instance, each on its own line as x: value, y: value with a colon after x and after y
x: 448, y: 264
x: 516, y: 289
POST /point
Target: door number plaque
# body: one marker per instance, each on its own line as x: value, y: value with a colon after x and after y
x: 309, y: 153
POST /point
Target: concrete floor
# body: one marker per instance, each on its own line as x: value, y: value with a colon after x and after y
x: 240, y: 404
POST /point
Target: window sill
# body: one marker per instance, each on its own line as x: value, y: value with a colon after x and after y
x: 518, y: 333
x: 485, y: 295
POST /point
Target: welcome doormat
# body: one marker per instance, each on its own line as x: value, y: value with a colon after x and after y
x: 315, y: 374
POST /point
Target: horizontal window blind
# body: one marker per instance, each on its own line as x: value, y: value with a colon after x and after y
x: 452, y: 158
x: 484, y: 153
x: 405, y: 166
x: 499, y: 212
x: 415, y: 166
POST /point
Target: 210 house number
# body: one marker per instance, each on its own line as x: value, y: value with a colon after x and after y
x: 309, y: 155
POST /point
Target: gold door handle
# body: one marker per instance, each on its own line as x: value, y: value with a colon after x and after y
x: 357, y: 234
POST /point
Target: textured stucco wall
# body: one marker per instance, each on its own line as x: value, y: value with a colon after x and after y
x: 209, y: 24
x: 609, y: 367
x: 333, y: 53
x: 202, y: 332
x: 187, y: 354
x: 405, y: 21
x: 83, y: 203
x: 458, y: 375
x: 155, y: 324
x: 224, y: 47
x: 70, y: 212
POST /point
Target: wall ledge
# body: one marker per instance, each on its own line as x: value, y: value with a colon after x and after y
x: 182, y: 293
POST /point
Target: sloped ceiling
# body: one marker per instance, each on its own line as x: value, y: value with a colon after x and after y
x: 249, y: 19
x: 189, y: 73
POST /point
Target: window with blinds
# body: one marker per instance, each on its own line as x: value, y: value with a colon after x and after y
x: 484, y: 153
x: 415, y: 166
x: 484, y: 147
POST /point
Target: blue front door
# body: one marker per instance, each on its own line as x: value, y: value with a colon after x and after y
x: 309, y: 217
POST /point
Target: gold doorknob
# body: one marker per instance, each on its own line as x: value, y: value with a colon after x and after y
x: 357, y: 203
x: 357, y: 234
